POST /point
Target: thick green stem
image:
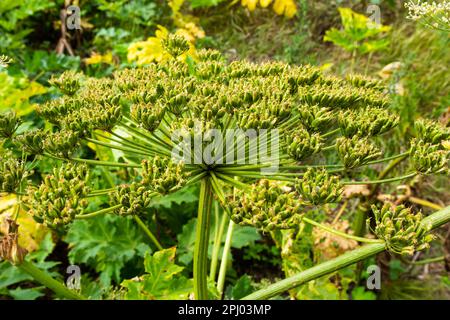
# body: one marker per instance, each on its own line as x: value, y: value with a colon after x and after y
x: 148, y: 232
x: 436, y: 220
x: 224, y: 261
x: 217, y: 241
x: 202, y: 241
x: 46, y: 280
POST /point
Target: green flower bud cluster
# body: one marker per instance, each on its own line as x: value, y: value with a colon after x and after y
x: 306, y: 77
x: 68, y: 82
x: 31, y: 142
x: 245, y: 69
x: 55, y: 110
x: 360, y: 81
x: 401, y: 229
x: 207, y: 110
x: 356, y: 151
x: 98, y: 116
x: 267, y: 206
x: 367, y: 122
x: 61, y: 195
x: 209, y: 55
x: 431, y: 132
x: 12, y: 172
x: 314, y: 117
x: 163, y: 175
x: 317, y: 187
x: 8, y: 124
x: 264, y: 114
x: 175, y: 45
x: 209, y: 69
x: 177, y: 103
x: 148, y: 116
x: 301, y: 144
x: 62, y: 143
x: 175, y: 69
x: 330, y: 97
x: 106, y: 116
x: 134, y: 199
x: 428, y: 158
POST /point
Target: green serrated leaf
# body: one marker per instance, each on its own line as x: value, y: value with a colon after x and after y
x: 26, y: 294
x: 105, y: 243
x: 162, y: 280
x: 242, y: 287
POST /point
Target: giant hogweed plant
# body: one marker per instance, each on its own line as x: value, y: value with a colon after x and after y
x: 149, y: 112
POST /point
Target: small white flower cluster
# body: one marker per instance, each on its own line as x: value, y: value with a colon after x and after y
x: 435, y: 15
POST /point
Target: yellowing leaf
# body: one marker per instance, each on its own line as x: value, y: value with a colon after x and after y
x: 31, y: 233
x: 97, y: 58
x: 287, y: 8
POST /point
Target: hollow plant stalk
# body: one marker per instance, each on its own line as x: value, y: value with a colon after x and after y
x: 45, y: 279
x: 436, y: 220
x: 202, y: 241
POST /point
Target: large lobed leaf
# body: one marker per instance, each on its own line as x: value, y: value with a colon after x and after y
x: 105, y: 243
x: 162, y: 279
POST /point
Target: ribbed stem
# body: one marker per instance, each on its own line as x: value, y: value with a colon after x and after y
x: 148, y: 232
x: 202, y: 241
x: 217, y: 241
x: 436, y: 220
x: 224, y: 262
x: 46, y: 280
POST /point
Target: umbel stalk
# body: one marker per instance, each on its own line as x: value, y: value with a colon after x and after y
x: 436, y: 220
x: 202, y: 241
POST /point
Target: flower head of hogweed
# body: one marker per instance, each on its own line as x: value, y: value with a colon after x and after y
x: 302, y: 144
x: 215, y: 113
x: 401, y: 229
x: 131, y: 199
x: 428, y: 158
x: 267, y: 206
x: 9, y: 122
x: 12, y: 172
x: 175, y: 45
x: 61, y: 196
x: 68, y: 82
x: 31, y: 142
x: 315, y: 118
x: 317, y: 187
x: 156, y: 115
x: 366, y: 122
x: 356, y: 151
x: 431, y: 132
x: 163, y: 175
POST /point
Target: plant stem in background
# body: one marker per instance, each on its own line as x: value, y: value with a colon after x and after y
x: 46, y: 280
x: 217, y: 241
x: 148, y: 232
x: 202, y: 241
x: 224, y: 262
x: 425, y: 203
